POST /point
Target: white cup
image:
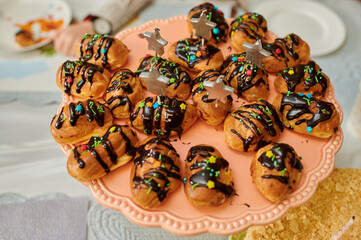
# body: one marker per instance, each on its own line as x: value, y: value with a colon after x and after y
x: 354, y: 123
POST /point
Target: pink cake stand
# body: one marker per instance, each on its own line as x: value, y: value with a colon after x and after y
x: 245, y: 209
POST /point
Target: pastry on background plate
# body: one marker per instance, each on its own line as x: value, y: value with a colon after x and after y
x: 100, y: 155
x: 155, y: 172
x: 276, y: 170
x: 208, y: 180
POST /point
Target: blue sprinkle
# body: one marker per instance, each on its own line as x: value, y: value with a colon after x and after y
x: 234, y: 59
x: 155, y: 105
x: 309, y: 129
x: 216, y: 7
x: 309, y: 95
x: 301, y: 94
x: 240, y: 69
x: 192, y: 57
x: 215, y: 30
x: 103, y: 51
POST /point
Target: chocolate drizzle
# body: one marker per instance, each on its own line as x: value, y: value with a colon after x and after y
x: 87, y: 51
x: 308, y: 72
x: 167, y: 69
x: 93, y: 111
x: 157, y: 178
x: 277, y: 160
x: 121, y: 82
x: 300, y: 105
x: 200, y: 155
x: 283, y: 47
x: 96, y: 143
x: 154, y: 114
x: 243, y: 72
x: 213, y: 15
x: 187, y: 49
x: 262, y: 112
x: 251, y: 24
x: 70, y: 70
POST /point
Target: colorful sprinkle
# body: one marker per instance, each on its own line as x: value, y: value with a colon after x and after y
x: 309, y: 95
x: 212, y: 159
x: 192, y: 57
x: 309, y: 129
x: 141, y: 104
x: 249, y: 72
x: 112, y: 129
x: 172, y: 80
x: 83, y: 147
x: 78, y: 108
x: 183, y: 106
x: 198, y: 54
x: 278, y: 51
x: 149, y: 104
x: 269, y: 154
x: 215, y: 30
x: 291, y: 72
x: 103, y: 51
x: 210, y: 184
x: 195, y: 185
x: 155, y: 105
x: 301, y: 94
x: 234, y: 59
x: 69, y: 80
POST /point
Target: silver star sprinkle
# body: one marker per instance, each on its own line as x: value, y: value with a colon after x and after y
x: 255, y: 52
x: 155, y: 42
x: 156, y: 83
x: 218, y: 90
x: 203, y: 26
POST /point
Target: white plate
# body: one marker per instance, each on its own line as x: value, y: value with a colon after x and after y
x: 318, y: 25
x: 23, y: 11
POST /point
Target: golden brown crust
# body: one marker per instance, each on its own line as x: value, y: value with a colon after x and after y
x: 220, y: 32
x: 155, y: 172
x: 303, y: 78
x: 179, y: 85
x: 99, y: 156
x: 335, y: 201
x: 194, y: 56
x: 248, y: 80
x: 308, y: 115
x: 208, y: 178
x: 82, y: 79
x: 248, y: 27
x: 276, y: 170
x: 209, y: 110
x: 24, y: 38
x: 123, y: 92
x: 78, y: 121
x: 252, y: 126
x: 285, y: 53
x: 102, y: 50
x: 164, y: 116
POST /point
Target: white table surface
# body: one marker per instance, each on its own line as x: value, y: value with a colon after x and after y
x: 32, y: 164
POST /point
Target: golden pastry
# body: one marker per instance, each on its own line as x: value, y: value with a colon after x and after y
x: 100, y: 155
x: 155, y: 172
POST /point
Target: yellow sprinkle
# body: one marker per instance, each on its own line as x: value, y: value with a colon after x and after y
x: 198, y: 54
x: 269, y: 154
x: 210, y: 184
x: 183, y: 106
x: 212, y: 159
x: 112, y: 129
x: 232, y: 33
x: 291, y: 72
x: 149, y: 104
